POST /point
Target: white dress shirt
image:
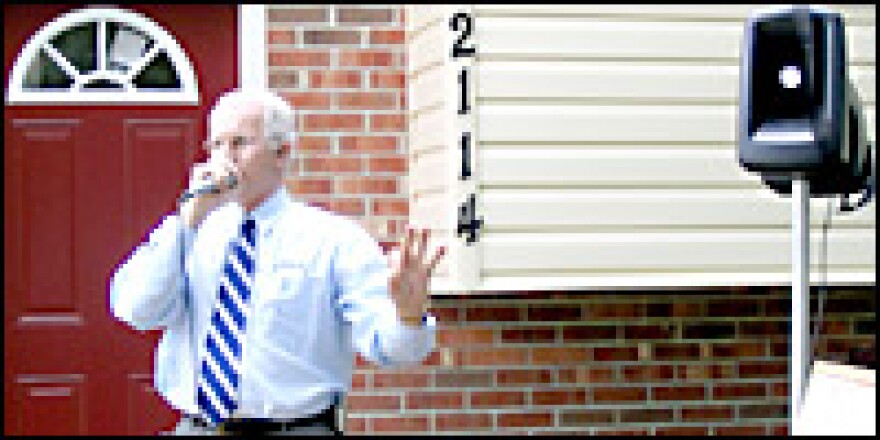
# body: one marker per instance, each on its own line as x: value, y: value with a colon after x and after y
x: 320, y: 292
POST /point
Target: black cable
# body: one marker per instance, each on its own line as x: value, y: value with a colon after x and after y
x: 823, y: 281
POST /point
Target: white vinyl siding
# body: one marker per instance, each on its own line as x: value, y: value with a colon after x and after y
x: 605, y: 150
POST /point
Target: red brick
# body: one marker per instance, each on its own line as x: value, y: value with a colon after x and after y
x: 640, y: 415
x: 738, y: 349
x: 586, y: 417
x: 463, y: 379
x: 462, y: 421
x: 332, y: 164
x: 314, y: 144
x: 341, y: 79
x: 492, y: 314
x: 333, y: 122
x: 762, y: 369
x: 301, y: 185
x: 400, y: 424
x: 281, y: 37
x: 364, y: 16
x: 494, y: 399
x: 494, y: 356
x: 355, y: 144
x: 779, y: 389
x: 298, y: 57
x: 525, y: 419
x: 621, y: 432
x: 358, y: 381
x: 587, y: 375
x: 763, y: 328
x: 614, y: 310
x: 528, y: 334
x: 368, y: 185
x: 390, y: 207
x: 388, y: 122
x: 434, y: 400
x: 727, y: 308
x: 388, y: 164
x: 308, y: 100
x: 608, y: 354
x: 400, y: 380
x: 683, y: 430
x: 354, y: 207
x: 560, y: 355
x: 311, y: 15
x: 712, y: 330
x: 368, y: 100
x: 394, y: 36
x: 559, y: 397
x: 738, y: 391
x: 280, y: 80
x: 647, y: 373
x: 372, y: 403
x: 693, y: 413
x: 676, y: 352
x: 334, y: 37
x: 355, y: 425
x: 523, y: 377
x: 554, y: 313
x: 678, y: 393
x: 445, y: 315
x: 457, y: 336
x: 619, y: 394
x: 706, y: 371
x: 588, y: 332
x: 778, y: 430
x: 434, y: 359
x: 739, y: 430
x: 647, y: 332
x: 367, y: 58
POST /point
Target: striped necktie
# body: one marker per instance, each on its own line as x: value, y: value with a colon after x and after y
x: 217, y: 393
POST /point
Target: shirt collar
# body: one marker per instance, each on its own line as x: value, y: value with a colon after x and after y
x: 267, y: 212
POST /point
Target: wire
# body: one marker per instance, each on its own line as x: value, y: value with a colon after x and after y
x: 823, y: 280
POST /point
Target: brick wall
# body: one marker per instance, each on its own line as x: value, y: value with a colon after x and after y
x: 703, y: 362
x: 343, y: 69
x: 710, y: 361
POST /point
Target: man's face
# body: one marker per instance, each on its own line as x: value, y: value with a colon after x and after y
x: 237, y: 140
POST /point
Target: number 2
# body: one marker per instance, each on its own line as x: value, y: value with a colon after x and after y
x: 463, y: 22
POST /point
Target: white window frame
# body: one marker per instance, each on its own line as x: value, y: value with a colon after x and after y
x: 188, y: 94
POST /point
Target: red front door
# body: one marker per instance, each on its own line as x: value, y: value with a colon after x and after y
x: 83, y: 184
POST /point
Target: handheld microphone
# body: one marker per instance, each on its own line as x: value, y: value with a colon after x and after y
x: 229, y: 182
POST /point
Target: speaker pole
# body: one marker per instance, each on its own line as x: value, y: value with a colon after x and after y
x: 800, y: 294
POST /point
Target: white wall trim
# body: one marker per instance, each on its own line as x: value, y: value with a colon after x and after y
x: 252, y: 46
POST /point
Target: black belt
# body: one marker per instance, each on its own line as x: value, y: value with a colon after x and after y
x: 326, y: 418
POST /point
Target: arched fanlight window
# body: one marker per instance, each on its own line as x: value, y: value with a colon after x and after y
x: 102, y: 55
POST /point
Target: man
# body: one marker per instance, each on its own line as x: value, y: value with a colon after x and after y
x: 263, y: 299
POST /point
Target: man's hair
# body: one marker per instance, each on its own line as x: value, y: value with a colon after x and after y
x: 279, y: 121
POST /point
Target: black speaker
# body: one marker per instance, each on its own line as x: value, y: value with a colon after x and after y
x: 799, y: 117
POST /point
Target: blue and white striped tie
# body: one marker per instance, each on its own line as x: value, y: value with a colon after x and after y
x: 217, y: 393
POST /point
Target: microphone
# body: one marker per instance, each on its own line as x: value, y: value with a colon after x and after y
x: 229, y: 182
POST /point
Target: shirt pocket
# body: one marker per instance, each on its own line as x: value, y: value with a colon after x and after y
x: 289, y: 303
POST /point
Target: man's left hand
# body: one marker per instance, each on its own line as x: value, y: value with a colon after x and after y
x: 410, y: 274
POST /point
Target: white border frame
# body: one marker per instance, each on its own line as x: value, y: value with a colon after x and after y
x: 189, y: 93
x: 252, y: 46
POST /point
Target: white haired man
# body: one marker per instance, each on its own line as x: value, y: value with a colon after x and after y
x: 264, y: 299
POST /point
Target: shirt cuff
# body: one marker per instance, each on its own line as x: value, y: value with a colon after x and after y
x: 405, y: 344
